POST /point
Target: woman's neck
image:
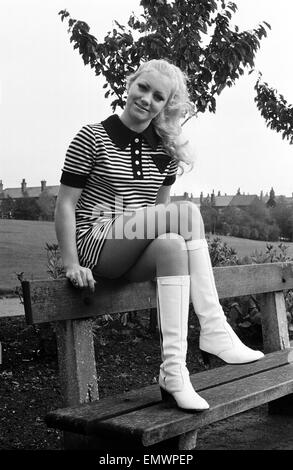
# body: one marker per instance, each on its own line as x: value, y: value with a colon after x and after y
x: 134, y: 126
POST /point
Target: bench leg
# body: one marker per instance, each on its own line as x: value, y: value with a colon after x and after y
x: 187, y: 441
x: 281, y: 406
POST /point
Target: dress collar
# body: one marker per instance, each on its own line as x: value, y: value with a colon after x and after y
x: 121, y: 135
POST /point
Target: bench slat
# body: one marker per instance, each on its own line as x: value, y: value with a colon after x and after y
x: 161, y: 422
x: 55, y: 300
x: 83, y: 418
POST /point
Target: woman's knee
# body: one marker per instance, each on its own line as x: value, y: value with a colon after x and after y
x: 186, y: 219
x: 171, y: 248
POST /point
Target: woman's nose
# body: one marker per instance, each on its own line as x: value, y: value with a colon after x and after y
x: 146, y: 98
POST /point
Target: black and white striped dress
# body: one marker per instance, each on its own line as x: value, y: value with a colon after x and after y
x: 120, y: 171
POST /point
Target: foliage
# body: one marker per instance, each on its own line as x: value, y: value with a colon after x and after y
x: 221, y: 254
x: 257, y: 221
x: 7, y: 207
x: 283, y: 215
x: 54, y: 264
x: 195, y: 35
x: 210, y: 217
x: 26, y: 208
x: 274, y: 108
x: 46, y: 203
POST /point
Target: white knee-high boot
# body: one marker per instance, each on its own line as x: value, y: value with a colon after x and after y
x: 173, y: 294
x: 216, y: 335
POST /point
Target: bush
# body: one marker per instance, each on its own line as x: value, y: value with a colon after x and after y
x: 221, y: 254
x: 245, y: 232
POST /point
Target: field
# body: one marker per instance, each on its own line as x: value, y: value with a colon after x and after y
x: 22, y: 249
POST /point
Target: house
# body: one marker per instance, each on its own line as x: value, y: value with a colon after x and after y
x: 9, y: 196
x: 28, y: 191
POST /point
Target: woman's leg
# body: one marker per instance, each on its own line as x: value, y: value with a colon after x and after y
x: 216, y: 335
x: 166, y: 258
x: 132, y: 234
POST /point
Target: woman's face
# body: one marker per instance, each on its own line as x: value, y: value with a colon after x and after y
x: 147, y: 96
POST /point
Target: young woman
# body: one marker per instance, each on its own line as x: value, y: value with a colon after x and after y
x: 114, y: 219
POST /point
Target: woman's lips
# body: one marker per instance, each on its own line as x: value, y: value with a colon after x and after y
x: 141, y: 107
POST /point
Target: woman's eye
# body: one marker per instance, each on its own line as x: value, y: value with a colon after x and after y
x: 141, y: 86
x: 159, y: 98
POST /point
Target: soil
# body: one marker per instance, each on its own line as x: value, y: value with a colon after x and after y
x: 129, y: 356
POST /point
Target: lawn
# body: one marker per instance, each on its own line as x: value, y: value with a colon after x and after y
x: 22, y: 249
x: 244, y: 247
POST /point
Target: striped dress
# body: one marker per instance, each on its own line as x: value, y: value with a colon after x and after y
x: 119, y: 171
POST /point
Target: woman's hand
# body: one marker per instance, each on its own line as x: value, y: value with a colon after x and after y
x: 81, y: 277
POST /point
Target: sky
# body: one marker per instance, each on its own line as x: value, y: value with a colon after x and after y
x: 47, y: 95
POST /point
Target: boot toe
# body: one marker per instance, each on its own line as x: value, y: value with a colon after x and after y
x: 241, y: 355
x: 190, y: 401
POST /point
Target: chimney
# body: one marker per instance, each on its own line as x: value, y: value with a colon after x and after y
x: 43, y: 185
x: 1, y: 186
x: 23, y: 185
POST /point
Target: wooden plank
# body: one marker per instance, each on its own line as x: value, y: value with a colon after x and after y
x: 162, y: 422
x: 84, y: 418
x: 274, y: 321
x: 233, y: 281
x: 54, y: 300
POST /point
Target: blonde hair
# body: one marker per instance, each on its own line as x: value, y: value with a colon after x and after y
x: 168, y: 122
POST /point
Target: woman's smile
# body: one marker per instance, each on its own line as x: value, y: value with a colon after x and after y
x: 142, y: 108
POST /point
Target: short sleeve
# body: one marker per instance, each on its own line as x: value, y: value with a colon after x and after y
x: 79, y: 158
x: 171, y: 176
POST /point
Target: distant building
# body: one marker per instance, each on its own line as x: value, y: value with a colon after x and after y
x: 28, y: 191
x: 186, y: 197
x: 8, y: 196
x: 243, y: 201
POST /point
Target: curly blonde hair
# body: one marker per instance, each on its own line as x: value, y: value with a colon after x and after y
x: 168, y: 122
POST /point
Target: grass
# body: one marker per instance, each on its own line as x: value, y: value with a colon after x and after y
x: 244, y: 247
x: 22, y: 249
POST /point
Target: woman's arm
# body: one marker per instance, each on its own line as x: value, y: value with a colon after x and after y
x: 65, y: 226
x: 163, y: 195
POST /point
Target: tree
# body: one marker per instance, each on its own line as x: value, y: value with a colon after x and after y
x: 174, y: 31
x: 210, y: 217
x: 7, y: 206
x: 26, y: 208
x: 272, y: 201
x: 282, y: 213
x: 258, y: 210
x: 46, y: 203
x: 273, y: 107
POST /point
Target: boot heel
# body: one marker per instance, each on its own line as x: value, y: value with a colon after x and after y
x: 206, y: 357
x: 166, y: 396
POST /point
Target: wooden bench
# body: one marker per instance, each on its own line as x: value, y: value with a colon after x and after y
x: 139, y: 418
